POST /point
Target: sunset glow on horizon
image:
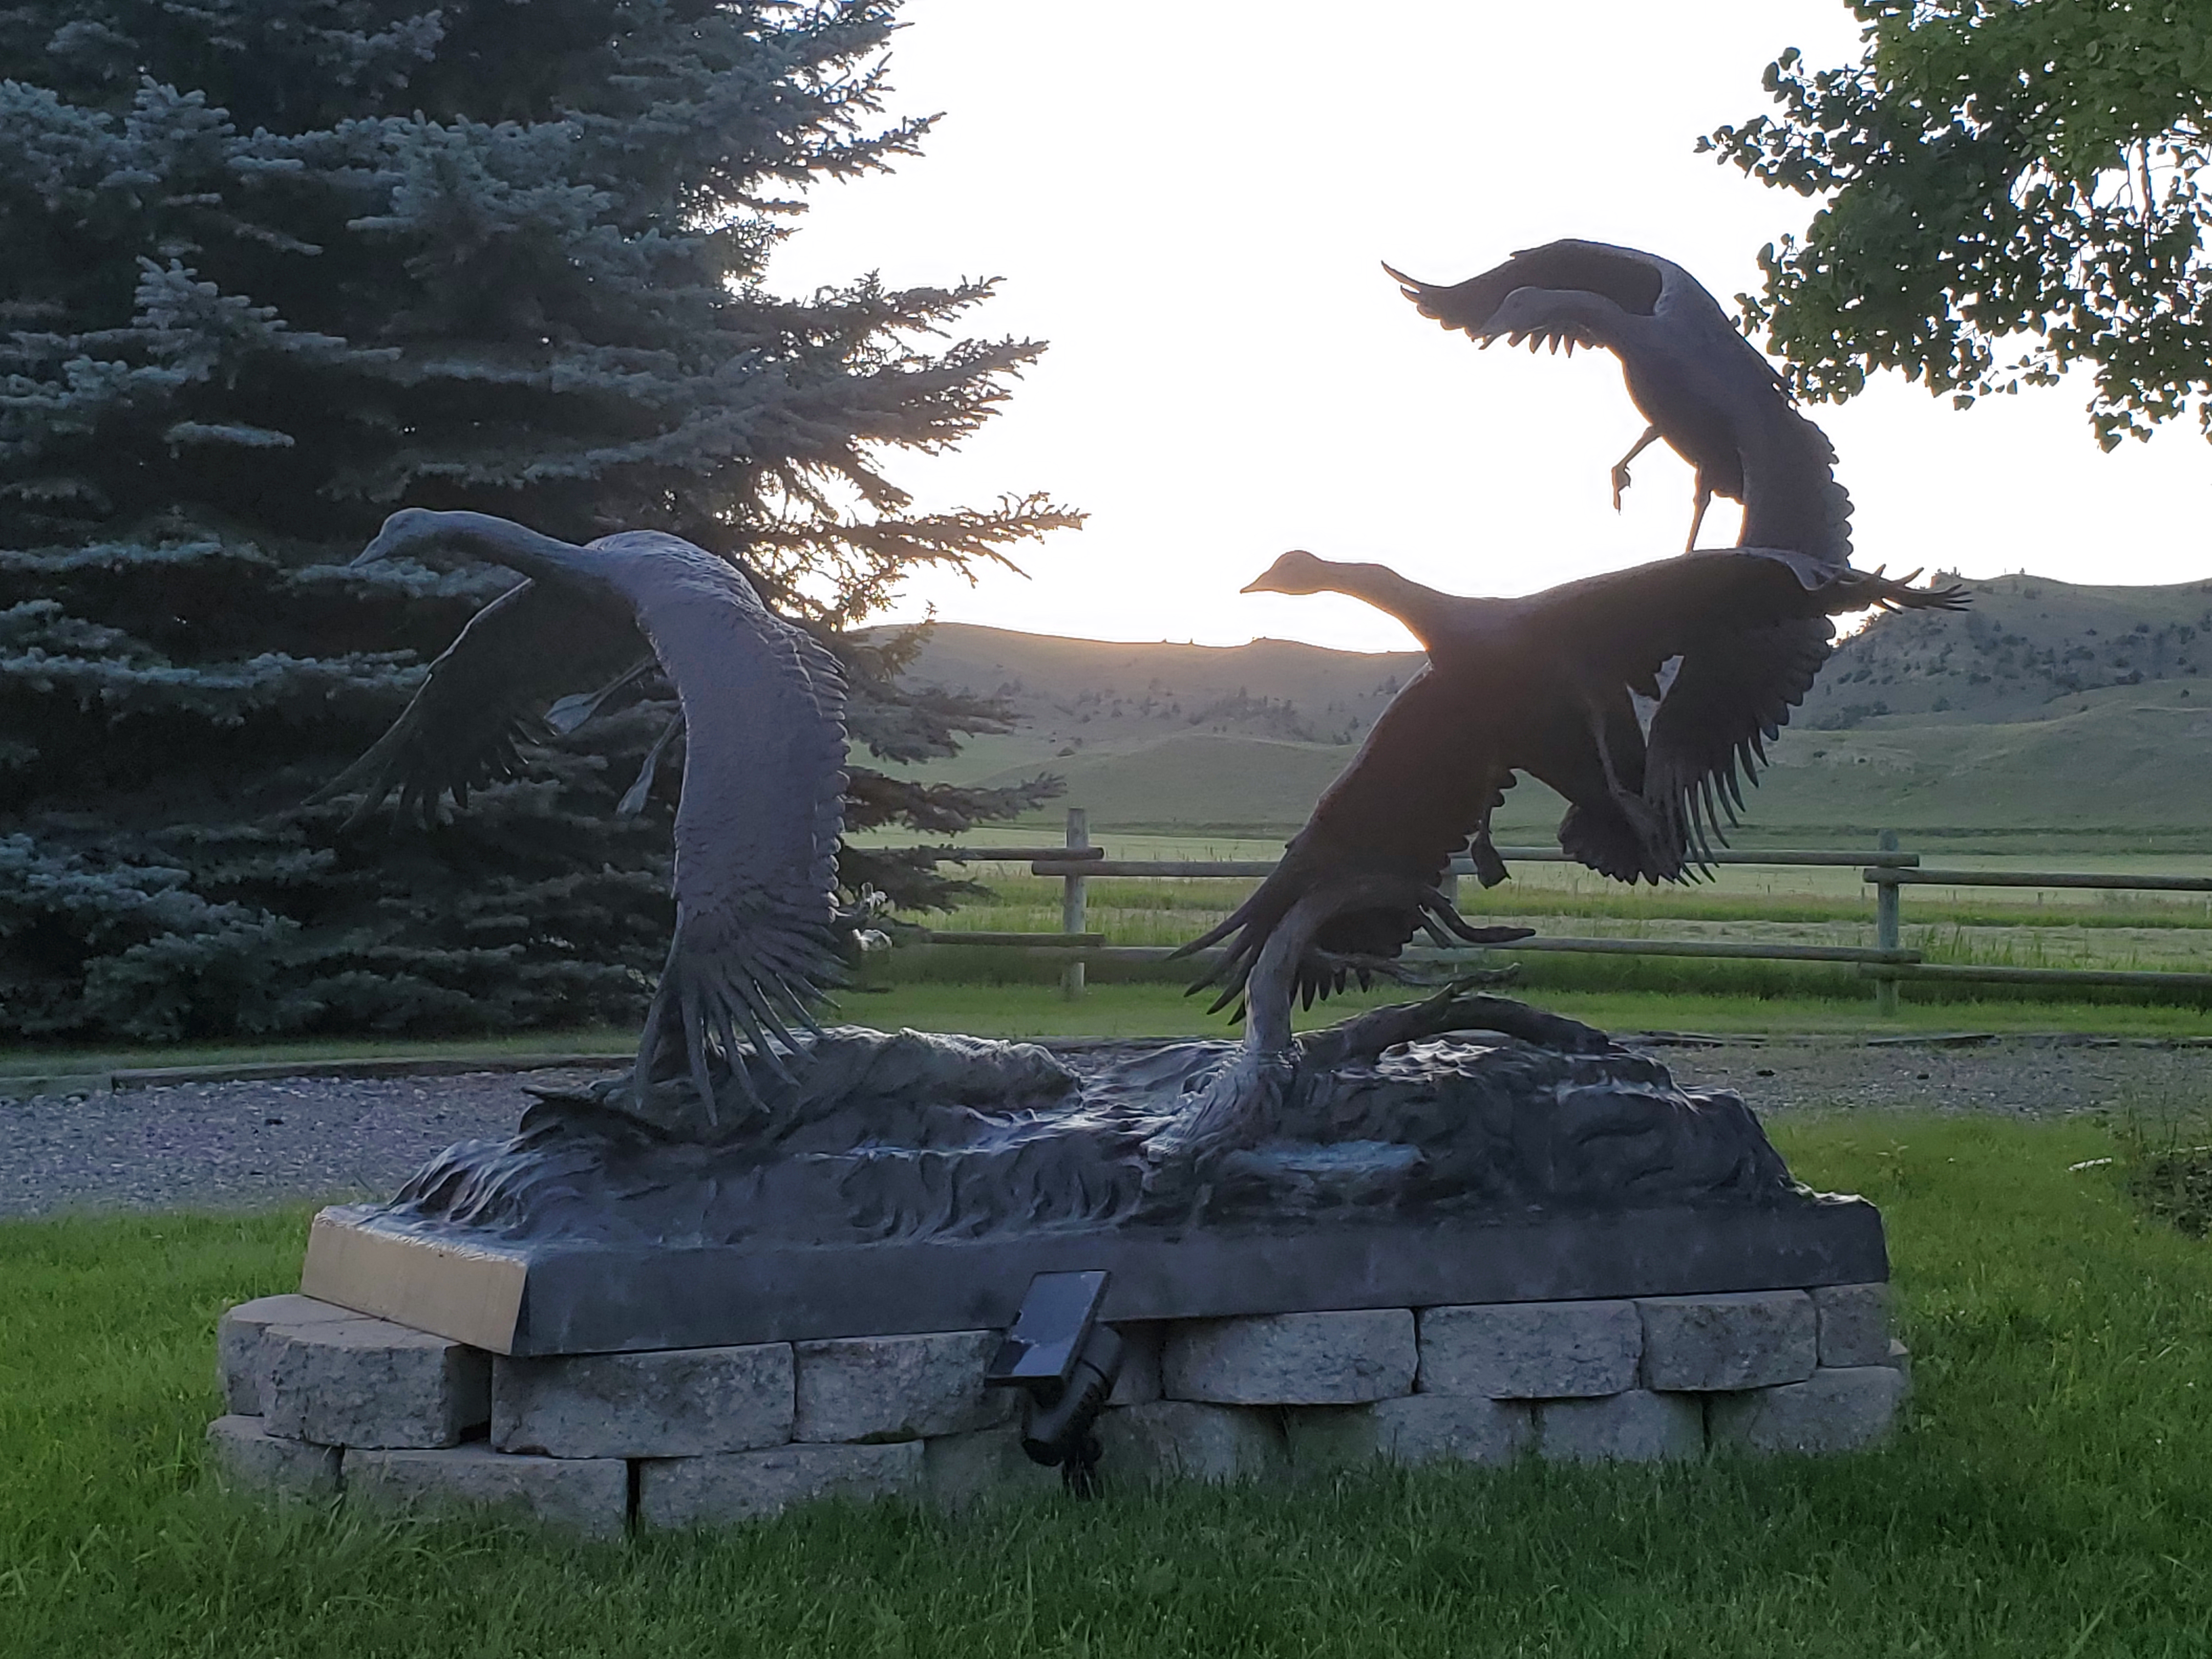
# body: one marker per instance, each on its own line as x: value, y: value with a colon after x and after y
x: 1194, y: 211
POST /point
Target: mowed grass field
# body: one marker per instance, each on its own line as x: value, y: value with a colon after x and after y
x: 2007, y: 926
x: 2050, y: 1495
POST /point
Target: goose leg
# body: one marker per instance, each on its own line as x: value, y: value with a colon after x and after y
x: 1697, y: 517
x: 1659, y: 856
x: 1620, y: 478
x: 1236, y: 1103
x: 1595, y: 716
x: 1489, y: 867
x: 566, y: 715
x: 632, y: 801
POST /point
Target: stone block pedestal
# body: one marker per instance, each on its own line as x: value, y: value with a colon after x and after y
x: 377, y: 1412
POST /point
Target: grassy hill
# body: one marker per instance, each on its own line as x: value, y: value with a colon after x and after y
x: 2047, y: 711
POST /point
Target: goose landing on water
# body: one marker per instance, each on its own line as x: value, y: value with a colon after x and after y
x: 763, y: 802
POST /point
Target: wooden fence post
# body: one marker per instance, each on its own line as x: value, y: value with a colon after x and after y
x: 1884, y: 931
x: 1074, y: 899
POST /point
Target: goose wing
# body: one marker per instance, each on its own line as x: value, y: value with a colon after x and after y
x: 1565, y: 277
x: 762, y: 806
x: 484, y: 696
x: 1745, y: 630
x: 1411, y: 796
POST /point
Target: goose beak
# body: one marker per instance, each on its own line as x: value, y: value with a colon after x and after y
x: 1258, y: 585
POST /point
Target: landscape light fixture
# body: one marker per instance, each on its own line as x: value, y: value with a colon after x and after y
x: 1058, y: 1353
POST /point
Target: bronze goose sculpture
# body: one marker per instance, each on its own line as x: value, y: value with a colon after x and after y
x: 1724, y: 643
x: 762, y: 801
x: 1703, y: 387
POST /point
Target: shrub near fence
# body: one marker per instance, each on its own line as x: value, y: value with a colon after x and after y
x: 1888, y: 963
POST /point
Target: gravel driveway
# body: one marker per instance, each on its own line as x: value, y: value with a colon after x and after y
x: 234, y: 1146
x: 243, y: 1145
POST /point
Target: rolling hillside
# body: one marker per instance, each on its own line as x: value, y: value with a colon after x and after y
x: 2048, y: 708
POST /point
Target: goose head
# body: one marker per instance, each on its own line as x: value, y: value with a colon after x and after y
x: 1297, y: 572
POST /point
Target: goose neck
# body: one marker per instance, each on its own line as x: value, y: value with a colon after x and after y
x: 1425, y: 612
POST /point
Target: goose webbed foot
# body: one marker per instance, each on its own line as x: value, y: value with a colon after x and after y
x: 1489, y: 867
x: 1232, y: 1109
x: 1620, y: 478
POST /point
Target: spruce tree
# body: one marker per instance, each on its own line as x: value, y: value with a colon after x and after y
x: 276, y: 267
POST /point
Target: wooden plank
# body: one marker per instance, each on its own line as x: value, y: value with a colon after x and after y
x: 1259, y: 869
x: 1619, y: 947
x: 1018, y: 854
x: 1800, y: 855
x: 1718, y: 948
x: 1059, y: 865
x: 1967, y: 971
x: 2036, y: 879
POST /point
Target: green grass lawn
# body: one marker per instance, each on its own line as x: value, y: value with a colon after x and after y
x: 2051, y: 1497
x: 1160, y: 1009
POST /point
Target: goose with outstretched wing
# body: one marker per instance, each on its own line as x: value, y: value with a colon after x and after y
x: 1704, y: 388
x: 761, y: 806
x: 1720, y: 645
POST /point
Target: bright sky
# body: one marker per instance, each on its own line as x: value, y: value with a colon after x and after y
x: 1190, y: 202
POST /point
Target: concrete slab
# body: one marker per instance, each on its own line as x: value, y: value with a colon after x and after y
x: 1846, y: 1409
x: 961, y: 1470
x: 242, y: 1355
x: 590, y: 1298
x: 679, y: 1403
x: 1853, y: 1322
x: 1531, y: 1350
x: 589, y: 1495
x: 1714, y: 1344
x: 1420, y: 1428
x: 243, y: 1454
x: 897, y: 1388
x: 1340, y: 1359
x: 732, y: 1486
x: 1182, y: 1439
x: 371, y: 1382
x: 1633, y: 1427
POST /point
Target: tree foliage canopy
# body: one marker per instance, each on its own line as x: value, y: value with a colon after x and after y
x: 273, y: 268
x: 2012, y: 187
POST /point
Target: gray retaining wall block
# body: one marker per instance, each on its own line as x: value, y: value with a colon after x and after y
x: 726, y: 1487
x: 961, y: 1469
x: 369, y: 1382
x: 1853, y: 1322
x: 590, y: 1495
x: 673, y: 1402
x: 1712, y: 1344
x: 1420, y: 1428
x: 242, y: 1353
x: 1344, y: 1359
x: 1831, y: 1411
x: 1531, y: 1350
x: 1633, y: 1427
x: 1180, y: 1439
x: 897, y: 1388
x: 1139, y: 1384
x: 1899, y: 1359
x: 243, y: 1454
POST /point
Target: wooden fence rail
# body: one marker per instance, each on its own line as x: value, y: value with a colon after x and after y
x: 1887, y: 870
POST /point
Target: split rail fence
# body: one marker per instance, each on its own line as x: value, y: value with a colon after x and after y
x: 1887, y: 870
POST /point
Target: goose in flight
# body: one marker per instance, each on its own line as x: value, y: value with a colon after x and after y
x: 762, y: 801
x: 1704, y: 388
x: 1720, y: 645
